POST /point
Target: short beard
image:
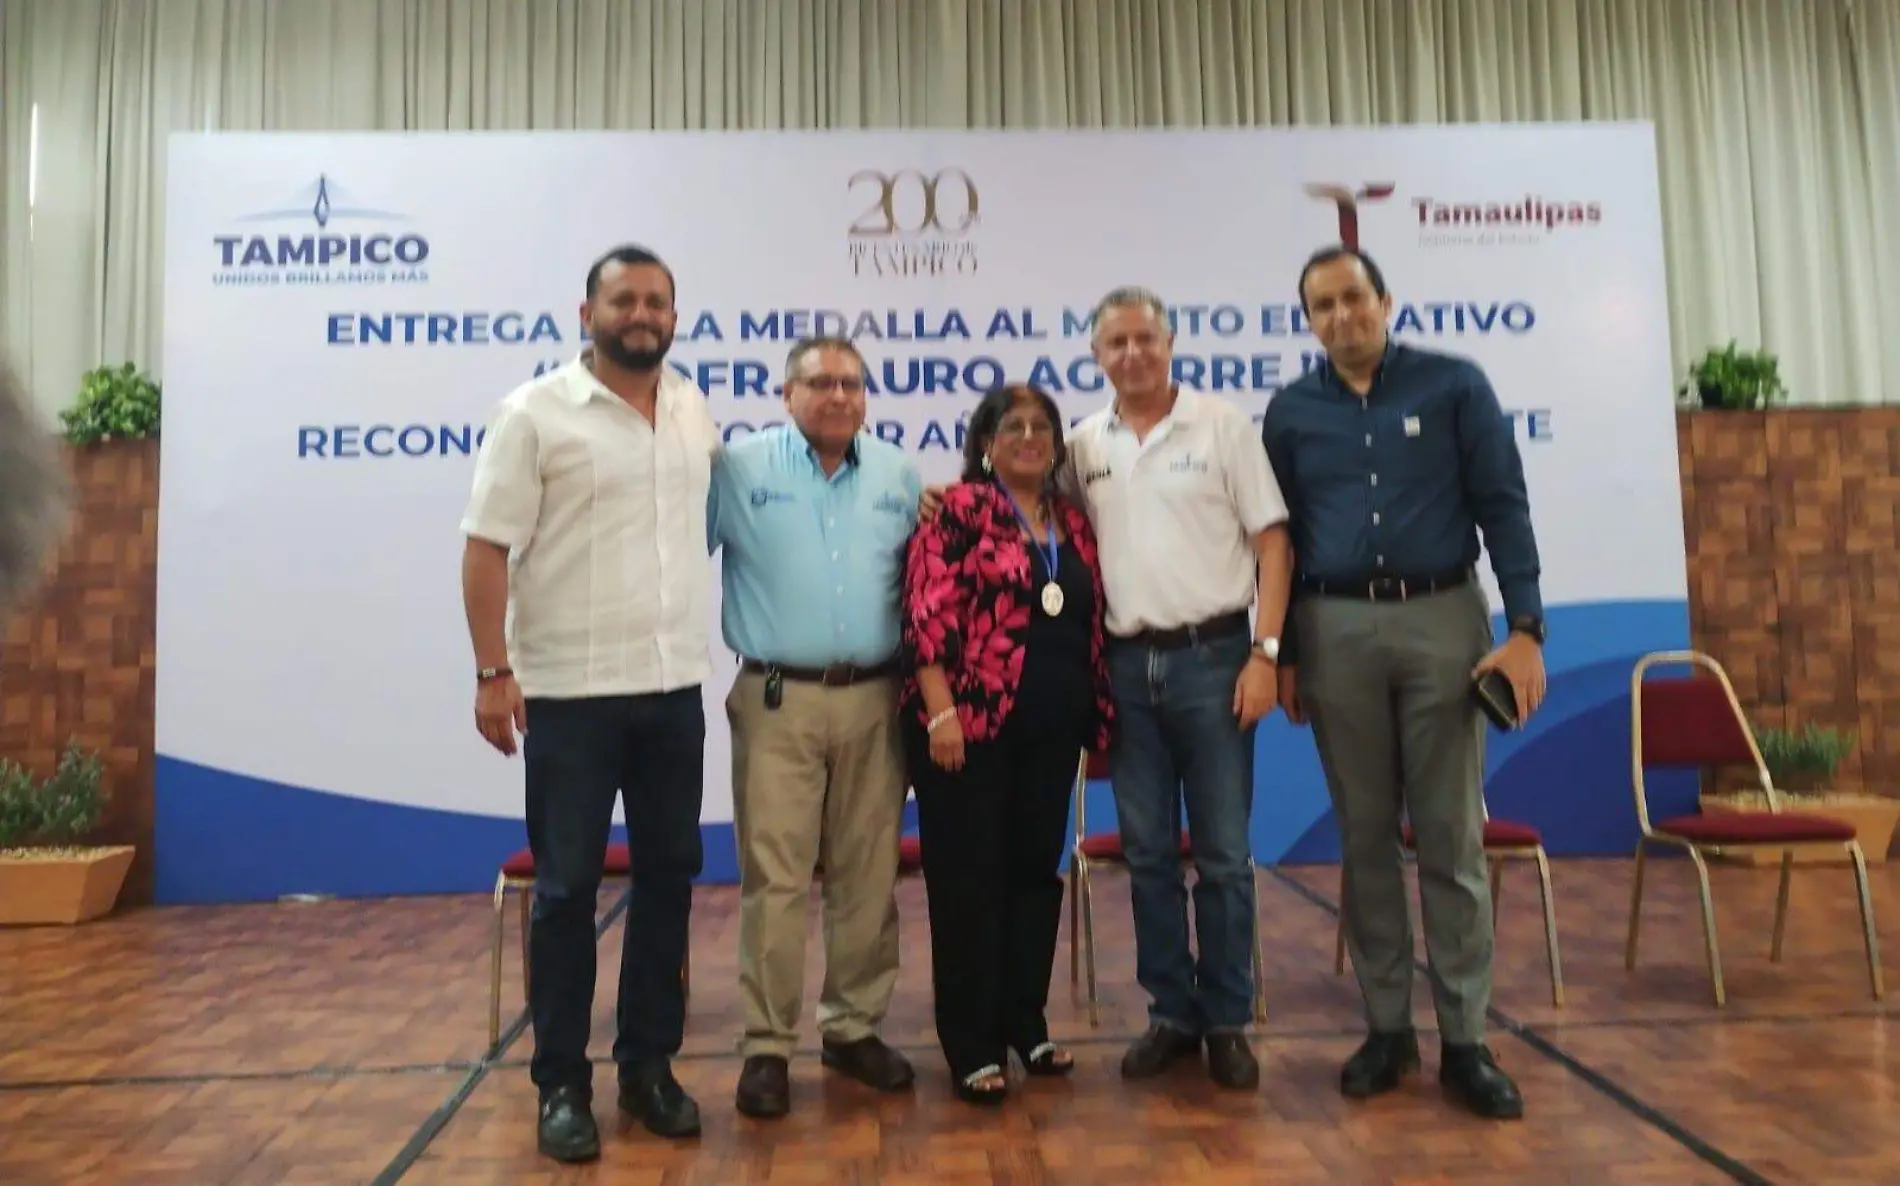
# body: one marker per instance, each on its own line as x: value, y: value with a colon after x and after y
x: 642, y: 361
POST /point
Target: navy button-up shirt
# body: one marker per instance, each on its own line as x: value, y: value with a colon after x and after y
x: 1400, y: 483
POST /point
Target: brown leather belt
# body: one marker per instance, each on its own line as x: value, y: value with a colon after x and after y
x: 838, y: 675
x: 1224, y: 626
x: 1387, y: 588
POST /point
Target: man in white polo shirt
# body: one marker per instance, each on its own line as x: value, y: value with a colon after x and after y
x: 586, y: 586
x: 1192, y: 529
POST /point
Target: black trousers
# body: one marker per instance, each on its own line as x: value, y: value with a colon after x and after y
x: 580, y: 754
x: 992, y: 835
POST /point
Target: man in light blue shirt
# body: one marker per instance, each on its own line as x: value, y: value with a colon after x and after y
x: 813, y: 518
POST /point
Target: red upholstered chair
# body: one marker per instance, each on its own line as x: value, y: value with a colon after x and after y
x: 910, y: 855
x: 517, y: 873
x: 1504, y: 840
x: 1697, y: 721
x: 1106, y: 848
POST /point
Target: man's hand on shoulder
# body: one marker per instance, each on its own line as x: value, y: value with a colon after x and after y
x: 930, y: 502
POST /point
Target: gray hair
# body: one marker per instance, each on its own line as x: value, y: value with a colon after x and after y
x: 1126, y: 297
x: 808, y: 346
x: 34, y: 492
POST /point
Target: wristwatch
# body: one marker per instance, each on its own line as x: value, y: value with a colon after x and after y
x: 1267, y: 648
x: 1531, y: 626
x: 488, y: 673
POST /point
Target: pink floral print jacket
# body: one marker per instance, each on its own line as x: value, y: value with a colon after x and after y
x: 967, y: 600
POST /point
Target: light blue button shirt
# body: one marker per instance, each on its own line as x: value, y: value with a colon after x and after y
x: 813, y: 566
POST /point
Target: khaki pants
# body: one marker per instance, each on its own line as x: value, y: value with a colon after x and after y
x: 818, y: 779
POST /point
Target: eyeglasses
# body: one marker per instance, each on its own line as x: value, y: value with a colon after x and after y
x: 1025, y: 428
x: 826, y: 384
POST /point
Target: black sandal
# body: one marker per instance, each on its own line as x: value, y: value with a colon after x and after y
x: 1045, y: 1060
x: 969, y: 1089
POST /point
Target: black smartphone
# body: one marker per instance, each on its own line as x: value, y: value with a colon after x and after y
x: 1497, y: 698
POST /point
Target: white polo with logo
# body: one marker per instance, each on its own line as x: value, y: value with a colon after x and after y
x: 1176, y: 515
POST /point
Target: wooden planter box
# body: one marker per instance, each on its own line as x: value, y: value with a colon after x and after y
x: 1873, y: 816
x: 63, y: 887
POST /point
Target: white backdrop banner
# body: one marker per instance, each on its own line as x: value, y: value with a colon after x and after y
x: 343, y: 312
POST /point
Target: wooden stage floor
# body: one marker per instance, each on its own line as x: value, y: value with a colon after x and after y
x: 344, y: 1042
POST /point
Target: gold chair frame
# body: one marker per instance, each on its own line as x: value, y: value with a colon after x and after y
x: 504, y: 884
x: 1082, y: 909
x: 1495, y: 855
x: 1695, y: 848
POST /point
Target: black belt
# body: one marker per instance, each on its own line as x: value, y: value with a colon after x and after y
x: 838, y: 675
x: 1386, y: 588
x: 1224, y: 626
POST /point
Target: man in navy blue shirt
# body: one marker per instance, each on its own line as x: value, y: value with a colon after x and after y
x: 1393, y: 459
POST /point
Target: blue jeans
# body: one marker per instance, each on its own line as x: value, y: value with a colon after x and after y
x: 1180, y: 740
x: 580, y: 755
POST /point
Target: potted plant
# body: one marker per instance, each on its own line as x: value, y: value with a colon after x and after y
x: 114, y: 404
x: 1802, y: 764
x: 1734, y: 379
x: 48, y: 873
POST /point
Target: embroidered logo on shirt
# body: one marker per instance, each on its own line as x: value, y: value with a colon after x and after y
x: 761, y: 495
x: 1096, y: 475
x: 1188, y: 465
x: 890, y: 504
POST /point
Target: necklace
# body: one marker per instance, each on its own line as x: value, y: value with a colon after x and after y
x: 1052, y: 558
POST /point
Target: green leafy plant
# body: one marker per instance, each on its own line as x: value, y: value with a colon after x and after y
x: 1735, y: 379
x: 1803, y: 762
x: 56, y: 812
x: 115, y: 404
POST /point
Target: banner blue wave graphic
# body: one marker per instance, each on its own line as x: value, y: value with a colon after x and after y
x: 227, y: 837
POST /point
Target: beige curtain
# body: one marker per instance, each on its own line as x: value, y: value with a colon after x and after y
x: 1778, y: 120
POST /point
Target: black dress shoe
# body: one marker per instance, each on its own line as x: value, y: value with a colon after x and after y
x: 1471, y: 1076
x: 1230, y: 1061
x: 1380, y: 1063
x: 1157, y: 1050
x: 765, y: 1087
x: 870, y: 1062
x: 567, y: 1131
x: 660, y: 1103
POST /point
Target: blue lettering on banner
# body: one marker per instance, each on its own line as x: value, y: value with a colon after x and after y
x: 357, y: 442
x: 349, y: 442
x: 1531, y: 425
x: 1228, y: 372
x: 747, y: 376
x: 439, y: 329
x: 327, y: 255
x: 1281, y: 321
x: 891, y: 325
x: 1462, y: 317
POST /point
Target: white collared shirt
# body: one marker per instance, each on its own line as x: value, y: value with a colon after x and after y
x: 1176, y: 515
x: 605, y: 517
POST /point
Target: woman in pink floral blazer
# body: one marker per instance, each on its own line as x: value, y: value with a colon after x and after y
x: 1007, y: 685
